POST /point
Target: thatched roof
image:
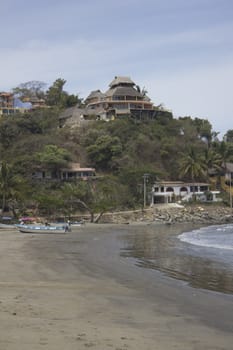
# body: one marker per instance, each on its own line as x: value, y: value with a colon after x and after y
x: 123, y: 91
x: 71, y: 112
x: 95, y: 94
x: 121, y: 80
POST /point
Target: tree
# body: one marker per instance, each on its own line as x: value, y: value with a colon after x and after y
x: 133, y: 180
x: 228, y: 137
x: 225, y: 151
x: 213, y: 163
x: 55, y: 94
x: 48, y: 203
x: 57, y: 97
x: 53, y: 158
x: 9, y: 185
x: 212, y: 160
x: 204, y: 129
x: 103, y: 151
x: 30, y: 89
x: 142, y: 91
x: 5, y: 180
x: 96, y: 197
x: 192, y: 165
x: 8, y: 131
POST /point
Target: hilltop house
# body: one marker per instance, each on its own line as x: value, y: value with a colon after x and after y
x: 10, y: 104
x: 122, y: 99
x: 35, y: 102
x: 171, y: 191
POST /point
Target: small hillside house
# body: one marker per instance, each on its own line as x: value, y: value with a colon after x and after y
x: 71, y: 172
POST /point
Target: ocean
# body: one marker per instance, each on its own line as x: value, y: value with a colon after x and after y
x: 202, y: 257
x: 219, y: 237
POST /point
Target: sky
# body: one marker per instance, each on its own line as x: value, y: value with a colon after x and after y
x: 181, y: 51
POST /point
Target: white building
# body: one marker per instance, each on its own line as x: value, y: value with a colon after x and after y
x: 173, y: 191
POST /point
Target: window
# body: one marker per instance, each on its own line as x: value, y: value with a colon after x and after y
x: 118, y: 98
x: 169, y: 189
x: 203, y: 188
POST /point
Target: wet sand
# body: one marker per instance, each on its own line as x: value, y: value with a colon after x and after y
x: 77, y: 291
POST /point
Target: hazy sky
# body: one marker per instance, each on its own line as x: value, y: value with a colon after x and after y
x: 180, y: 50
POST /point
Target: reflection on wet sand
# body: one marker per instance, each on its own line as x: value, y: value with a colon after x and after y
x: 157, y: 247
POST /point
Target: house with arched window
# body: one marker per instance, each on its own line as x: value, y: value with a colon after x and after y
x: 173, y: 191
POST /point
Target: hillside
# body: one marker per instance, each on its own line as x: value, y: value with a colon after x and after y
x: 121, y: 151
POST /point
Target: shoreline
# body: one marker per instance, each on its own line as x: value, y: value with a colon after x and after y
x: 76, y: 291
x: 173, y: 213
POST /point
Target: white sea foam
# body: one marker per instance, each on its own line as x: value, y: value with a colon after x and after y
x: 219, y: 237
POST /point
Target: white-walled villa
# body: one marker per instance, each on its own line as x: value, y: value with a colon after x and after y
x: 171, y: 191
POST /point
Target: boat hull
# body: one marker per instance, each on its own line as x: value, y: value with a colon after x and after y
x: 42, y: 229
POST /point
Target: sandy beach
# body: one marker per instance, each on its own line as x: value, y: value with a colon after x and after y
x: 77, y: 291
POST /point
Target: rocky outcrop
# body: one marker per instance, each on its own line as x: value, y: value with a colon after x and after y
x: 206, y: 214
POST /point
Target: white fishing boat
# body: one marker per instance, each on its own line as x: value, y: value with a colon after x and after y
x: 42, y: 228
x: 77, y: 223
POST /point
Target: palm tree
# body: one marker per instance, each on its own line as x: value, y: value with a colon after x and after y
x: 11, y: 186
x: 6, y: 183
x: 193, y: 166
x: 225, y: 152
x: 213, y: 160
x: 5, y: 179
x: 142, y: 91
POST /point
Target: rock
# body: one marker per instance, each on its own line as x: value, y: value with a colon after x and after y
x: 205, y: 214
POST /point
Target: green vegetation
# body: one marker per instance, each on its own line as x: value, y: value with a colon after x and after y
x: 56, y: 96
x: 121, y: 151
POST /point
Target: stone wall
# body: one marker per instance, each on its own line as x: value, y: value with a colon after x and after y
x: 206, y: 214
